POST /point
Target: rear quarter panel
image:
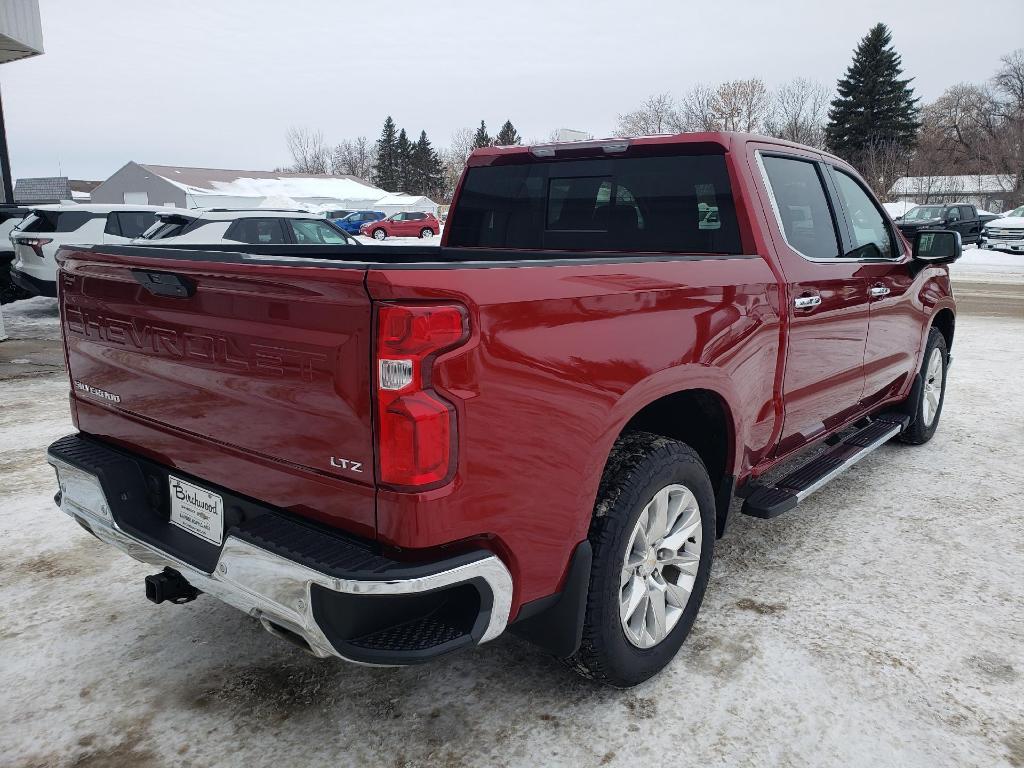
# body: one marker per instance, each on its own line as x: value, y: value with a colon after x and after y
x: 560, y: 358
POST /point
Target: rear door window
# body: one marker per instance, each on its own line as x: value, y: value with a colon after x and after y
x: 680, y: 204
x: 257, y: 231
x: 802, y: 206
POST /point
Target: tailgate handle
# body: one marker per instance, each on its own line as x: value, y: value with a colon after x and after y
x: 165, y: 283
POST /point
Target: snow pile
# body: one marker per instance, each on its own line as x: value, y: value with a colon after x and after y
x: 300, y: 187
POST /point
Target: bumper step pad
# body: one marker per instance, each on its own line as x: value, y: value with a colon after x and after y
x: 767, y: 501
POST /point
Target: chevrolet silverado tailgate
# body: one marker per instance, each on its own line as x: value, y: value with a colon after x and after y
x: 250, y: 372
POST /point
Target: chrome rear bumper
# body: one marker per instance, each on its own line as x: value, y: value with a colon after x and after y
x: 278, y: 591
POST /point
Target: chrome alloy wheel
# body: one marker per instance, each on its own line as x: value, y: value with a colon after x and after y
x: 932, y: 387
x: 660, y: 566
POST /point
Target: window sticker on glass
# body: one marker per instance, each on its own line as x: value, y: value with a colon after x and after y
x: 707, y: 207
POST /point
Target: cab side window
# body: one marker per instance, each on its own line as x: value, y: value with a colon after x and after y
x: 802, y: 206
x: 953, y: 214
x: 868, y: 228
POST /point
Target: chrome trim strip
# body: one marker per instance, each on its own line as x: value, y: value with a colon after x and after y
x: 265, y: 585
x: 849, y: 462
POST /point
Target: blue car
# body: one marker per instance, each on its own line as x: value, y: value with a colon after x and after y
x: 356, y: 219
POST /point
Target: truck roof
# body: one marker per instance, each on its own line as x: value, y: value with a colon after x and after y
x: 728, y: 140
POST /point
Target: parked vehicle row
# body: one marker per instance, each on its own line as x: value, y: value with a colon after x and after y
x: 386, y: 454
x: 37, y: 233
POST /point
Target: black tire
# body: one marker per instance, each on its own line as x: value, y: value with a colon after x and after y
x: 380, y: 232
x: 921, y: 429
x: 640, y: 464
x: 426, y: 232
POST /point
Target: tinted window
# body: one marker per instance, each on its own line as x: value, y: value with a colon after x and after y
x: 58, y: 221
x: 953, y: 214
x: 134, y: 223
x: 677, y: 203
x: 417, y: 216
x: 967, y: 212
x: 802, y: 206
x: 868, y: 228
x: 161, y: 229
x: 256, y: 231
x: 314, y: 232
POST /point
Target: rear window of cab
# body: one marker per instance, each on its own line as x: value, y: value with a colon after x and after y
x: 678, y: 204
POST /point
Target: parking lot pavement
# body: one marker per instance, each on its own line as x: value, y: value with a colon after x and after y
x: 881, y: 623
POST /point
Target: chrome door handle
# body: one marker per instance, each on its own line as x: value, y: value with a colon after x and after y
x: 806, y: 302
x: 878, y: 291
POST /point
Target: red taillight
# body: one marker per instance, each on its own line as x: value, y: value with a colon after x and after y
x: 416, y: 427
x: 36, y: 244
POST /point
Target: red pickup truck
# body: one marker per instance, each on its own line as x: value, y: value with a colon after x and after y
x: 387, y: 454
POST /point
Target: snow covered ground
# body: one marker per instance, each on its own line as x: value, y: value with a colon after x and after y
x: 880, y: 624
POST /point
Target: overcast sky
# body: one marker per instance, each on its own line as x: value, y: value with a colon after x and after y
x: 217, y: 84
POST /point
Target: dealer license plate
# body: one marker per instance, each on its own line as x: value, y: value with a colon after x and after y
x: 197, y: 510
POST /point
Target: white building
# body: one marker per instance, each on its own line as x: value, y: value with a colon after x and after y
x: 989, y: 192
x: 185, y: 187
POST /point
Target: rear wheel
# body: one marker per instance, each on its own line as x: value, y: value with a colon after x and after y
x: 932, y: 394
x: 653, y: 537
x: 379, y: 234
x: 426, y: 232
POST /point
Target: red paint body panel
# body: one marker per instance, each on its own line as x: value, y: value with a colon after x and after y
x: 267, y: 367
x: 553, y: 372
x: 274, y: 369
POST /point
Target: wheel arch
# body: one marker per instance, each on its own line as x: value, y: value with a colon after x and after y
x: 701, y: 418
x: 945, y: 322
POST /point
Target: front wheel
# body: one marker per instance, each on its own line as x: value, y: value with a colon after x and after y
x: 930, y: 396
x: 426, y: 232
x: 379, y: 234
x: 653, y: 535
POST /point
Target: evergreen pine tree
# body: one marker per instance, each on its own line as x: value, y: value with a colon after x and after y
x: 403, y: 162
x: 507, y: 136
x: 385, y: 166
x: 427, y: 171
x: 874, y: 106
x: 481, y: 138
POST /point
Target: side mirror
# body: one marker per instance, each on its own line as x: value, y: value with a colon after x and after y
x: 937, y: 246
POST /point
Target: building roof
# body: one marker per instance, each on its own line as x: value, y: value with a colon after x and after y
x: 222, y: 181
x: 42, y: 189
x: 81, y: 185
x: 953, y: 185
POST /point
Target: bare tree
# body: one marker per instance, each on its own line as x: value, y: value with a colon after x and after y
x: 742, y: 105
x: 353, y: 157
x: 308, y: 151
x: 881, y: 164
x: 656, y: 115
x: 697, y: 110
x: 798, y: 112
x: 453, y: 160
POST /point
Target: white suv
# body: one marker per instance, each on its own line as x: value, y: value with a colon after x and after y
x: 48, y: 227
x: 258, y: 226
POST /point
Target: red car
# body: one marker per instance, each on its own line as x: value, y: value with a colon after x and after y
x: 405, y: 224
x: 388, y: 454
